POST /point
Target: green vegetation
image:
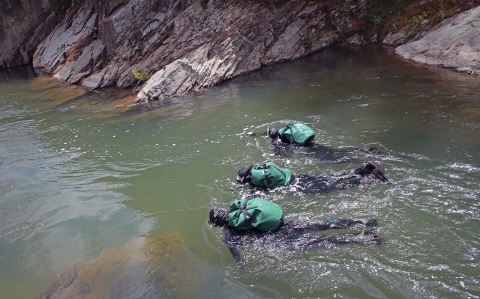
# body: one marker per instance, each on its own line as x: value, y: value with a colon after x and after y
x: 375, y: 19
x: 441, y: 16
x: 416, y: 21
x: 94, y: 32
x: 141, y: 75
x: 379, y: 9
x: 387, y: 16
x: 241, y: 31
x: 313, y: 41
x: 343, y: 9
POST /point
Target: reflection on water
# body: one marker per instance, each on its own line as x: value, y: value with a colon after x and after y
x: 83, y: 171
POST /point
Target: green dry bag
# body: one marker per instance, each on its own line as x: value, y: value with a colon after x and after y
x: 255, y: 213
x: 270, y: 175
x: 297, y: 133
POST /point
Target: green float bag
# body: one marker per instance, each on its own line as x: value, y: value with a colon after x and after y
x: 297, y: 133
x: 255, y: 213
x: 270, y: 175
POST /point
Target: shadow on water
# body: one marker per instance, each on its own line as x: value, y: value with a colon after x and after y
x: 26, y: 72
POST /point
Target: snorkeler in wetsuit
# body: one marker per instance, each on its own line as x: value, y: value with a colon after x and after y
x: 319, y: 151
x: 269, y: 175
x: 294, y: 235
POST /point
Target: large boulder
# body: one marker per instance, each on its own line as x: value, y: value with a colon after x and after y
x: 454, y: 43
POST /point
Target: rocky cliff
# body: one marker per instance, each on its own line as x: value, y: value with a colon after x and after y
x: 172, y: 47
x: 23, y: 25
x: 163, y: 48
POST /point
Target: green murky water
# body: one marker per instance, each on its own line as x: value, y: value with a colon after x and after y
x: 82, y: 172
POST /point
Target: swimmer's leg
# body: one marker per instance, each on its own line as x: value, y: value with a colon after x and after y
x: 330, y: 241
x: 369, y: 236
x: 298, y: 227
x: 258, y: 134
x: 350, y: 223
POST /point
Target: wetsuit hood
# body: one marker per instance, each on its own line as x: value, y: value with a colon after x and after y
x: 243, y: 175
x: 272, y: 132
x: 217, y: 217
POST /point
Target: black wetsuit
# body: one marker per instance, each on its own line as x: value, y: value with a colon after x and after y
x: 297, y: 236
x: 318, y: 151
x: 319, y: 184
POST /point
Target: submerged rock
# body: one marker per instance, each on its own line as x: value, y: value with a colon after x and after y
x: 454, y: 43
x: 156, y: 267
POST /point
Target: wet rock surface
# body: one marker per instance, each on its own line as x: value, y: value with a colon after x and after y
x: 454, y: 43
x: 23, y: 25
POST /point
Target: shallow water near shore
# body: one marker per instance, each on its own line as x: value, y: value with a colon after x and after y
x: 83, y: 172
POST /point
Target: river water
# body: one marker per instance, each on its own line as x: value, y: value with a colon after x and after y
x: 84, y: 175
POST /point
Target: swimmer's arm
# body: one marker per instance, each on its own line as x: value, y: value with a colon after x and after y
x: 232, y: 246
x: 258, y: 134
x: 279, y: 146
x: 297, y: 227
x: 237, y: 256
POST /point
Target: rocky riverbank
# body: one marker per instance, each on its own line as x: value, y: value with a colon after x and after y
x: 167, y: 48
x: 455, y: 43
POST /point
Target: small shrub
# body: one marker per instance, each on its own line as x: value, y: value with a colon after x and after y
x: 343, y: 9
x: 441, y: 16
x: 376, y: 19
x: 416, y: 21
x: 313, y: 41
x: 241, y: 31
x: 94, y: 32
x: 141, y: 75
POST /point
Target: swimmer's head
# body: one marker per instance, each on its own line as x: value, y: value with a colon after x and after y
x: 218, y: 217
x: 244, y: 174
x: 272, y: 132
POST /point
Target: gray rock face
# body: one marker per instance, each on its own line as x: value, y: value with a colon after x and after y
x: 23, y: 25
x: 453, y: 43
x: 188, y: 45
